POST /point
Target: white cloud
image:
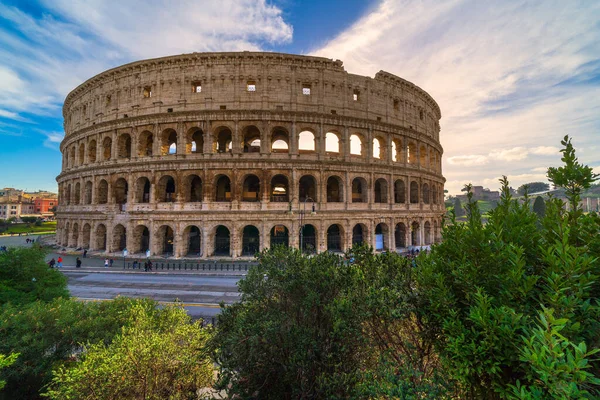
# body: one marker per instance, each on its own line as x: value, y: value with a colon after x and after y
x: 546, y: 150
x: 53, y: 139
x: 470, y: 160
x: 514, y: 154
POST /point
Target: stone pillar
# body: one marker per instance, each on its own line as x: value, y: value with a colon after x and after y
x: 322, y: 237
x: 294, y: 141
x: 203, y: 243
x: 181, y: 139
x: 265, y: 236
x: 156, y: 141
x: 114, y: 150
x: 236, y: 148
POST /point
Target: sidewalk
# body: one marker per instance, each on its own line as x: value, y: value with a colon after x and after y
x: 119, y: 270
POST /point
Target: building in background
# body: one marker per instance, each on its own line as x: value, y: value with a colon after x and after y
x: 17, y: 203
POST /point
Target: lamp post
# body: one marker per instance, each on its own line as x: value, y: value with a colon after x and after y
x: 302, y: 220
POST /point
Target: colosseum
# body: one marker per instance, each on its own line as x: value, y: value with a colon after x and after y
x: 224, y: 154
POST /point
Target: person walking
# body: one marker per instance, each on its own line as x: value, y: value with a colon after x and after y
x: 110, y: 262
x: 106, y: 263
x: 78, y: 263
x: 84, y: 253
x: 59, y: 262
x: 51, y: 263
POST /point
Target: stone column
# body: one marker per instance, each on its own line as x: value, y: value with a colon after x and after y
x: 114, y: 150
x: 235, y: 138
x: 156, y: 139
x: 203, y: 243
x: 321, y: 237
x: 181, y: 139
x: 294, y: 141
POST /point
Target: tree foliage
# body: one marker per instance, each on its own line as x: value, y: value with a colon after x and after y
x: 6, y: 361
x: 158, y: 355
x: 25, y: 277
x: 539, y: 207
x: 533, y: 187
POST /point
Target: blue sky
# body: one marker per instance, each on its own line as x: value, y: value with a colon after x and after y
x: 512, y: 77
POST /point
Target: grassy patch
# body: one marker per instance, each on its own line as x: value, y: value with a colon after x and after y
x: 31, y: 228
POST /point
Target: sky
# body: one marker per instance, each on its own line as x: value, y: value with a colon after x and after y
x: 512, y: 77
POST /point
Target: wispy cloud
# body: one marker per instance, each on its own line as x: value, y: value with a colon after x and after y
x: 515, y: 76
x: 53, y: 139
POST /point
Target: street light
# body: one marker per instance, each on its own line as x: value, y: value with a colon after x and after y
x: 302, y: 218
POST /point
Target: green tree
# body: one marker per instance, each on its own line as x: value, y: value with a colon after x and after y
x: 25, y: 277
x: 158, y: 355
x: 6, y: 362
x: 539, y: 207
x: 533, y: 187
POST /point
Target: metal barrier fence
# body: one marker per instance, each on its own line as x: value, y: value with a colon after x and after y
x: 189, y: 266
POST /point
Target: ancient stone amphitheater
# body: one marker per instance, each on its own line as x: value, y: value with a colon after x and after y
x: 224, y: 154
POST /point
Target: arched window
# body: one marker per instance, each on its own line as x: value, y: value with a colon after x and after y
x: 307, y: 188
x: 279, y: 189
x: 381, y: 191
x: 222, y: 241
x: 223, y: 141
x: 223, y: 189
x: 85, y: 240
x: 124, y: 146
x: 414, y: 234
x: 165, y: 238
x: 332, y: 143
x: 399, y: 191
x: 165, y: 190
x: 77, y: 194
x: 194, y: 241
x: 381, y: 234
x: 72, y: 160
x: 334, y: 238
x: 68, y: 194
x: 376, y: 148
x: 81, y: 154
x: 141, y: 236
x: 145, y: 143
x: 119, y: 239
x: 102, y: 194
x: 425, y: 193
x: 280, y: 236
x: 358, y: 234
x: 193, y: 189
x: 87, y: 198
x: 359, y: 190
x: 100, y: 237
x: 423, y: 159
x: 169, y: 142
x: 251, y: 188
x: 308, y: 239
x: 306, y: 142
x: 400, y: 235
x: 195, y: 141
x: 334, y: 190
x: 251, y: 139
x: 427, y: 233
x: 414, y: 192
x: 356, y: 145
x: 250, y: 240
x: 279, y: 141
x: 107, y: 148
x: 120, y: 189
x: 92, y: 152
x: 142, y: 190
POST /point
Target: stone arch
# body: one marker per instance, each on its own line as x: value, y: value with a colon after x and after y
x: 280, y: 140
x: 73, y: 161
x: 411, y: 153
x: 335, y: 238
x: 425, y: 193
x: 222, y: 188
x: 414, y: 234
x: 397, y: 153
x: 87, y: 196
x: 434, y: 194
x: 66, y: 230
x: 251, y: 139
x: 81, y: 154
x: 168, y: 142
x: 251, y: 188
x: 100, y: 243
x: 124, y: 146
x: 92, y: 151
x: 106, y: 149
x: 119, y: 238
x: 194, y: 140
x: 102, y: 192
x: 75, y: 236
x: 356, y: 145
x: 423, y: 156
x: 427, y: 233
x: 223, y: 140
x: 250, y: 240
x: 142, y: 190
x: 141, y: 239
x: 332, y: 143
x: 192, y: 187
x: 280, y: 235
x: 120, y: 189
x: 165, y: 240
x: 335, y: 189
x: 414, y: 192
x: 307, y: 188
x: 306, y: 142
x: 380, y: 191
x: 67, y: 194
x: 77, y: 194
x: 280, y: 189
x: 166, y: 189
x: 359, y: 190
x: 381, y: 236
x: 145, y: 144
x: 359, y: 234
x: 86, y: 236
x: 400, y: 235
x: 192, y: 241
x: 222, y: 241
x: 378, y: 148
x: 399, y: 191
x: 308, y: 239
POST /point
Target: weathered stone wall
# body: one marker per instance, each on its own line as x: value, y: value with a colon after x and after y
x: 145, y: 156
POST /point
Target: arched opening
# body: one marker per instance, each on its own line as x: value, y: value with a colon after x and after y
x: 107, y: 148
x: 280, y: 141
x: 87, y: 197
x: 307, y: 188
x: 381, y: 232
x: 251, y: 188
x: 67, y: 194
x: 400, y: 235
x: 142, y: 190
x: 377, y: 150
x: 141, y: 236
x: 306, y: 142
x: 222, y: 241
x: 120, y: 190
x: 280, y: 236
x: 356, y: 145
x: 77, y: 194
x: 223, y: 189
x: 334, y: 189
x: 145, y: 143
x: 102, y: 195
x: 65, y: 239
x: 399, y: 191
x: 124, y: 146
x: 436, y: 232
x: 359, y: 190
x: 427, y: 233
x: 414, y: 234
x: 92, y: 152
x: 394, y: 151
x: 168, y: 143
x: 381, y: 191
x: 434, y: 194
x: 72, y: 160
x: 250, y: 240
x: 358, y: 233
x: 414, y: 192
x: 197, y: 141
x: 423, y: 158
x: 308, y: 239
x: 223, y: 141
x: 334, y: 238
x: 194, y: 241
x: 193, y: 189
x: 425, y: 193
x: 166, y: 190
x: 86, y: 234
x: 75, y: 239
x: 119, y: 242
x: 251, y: 139
x: 279, y: 189
x: 81, y: 154
x: 100, y: 237
x: 332, y: 143
x: 166, y: 238
x: 411, y: 153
